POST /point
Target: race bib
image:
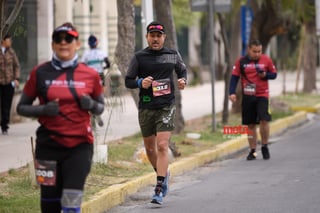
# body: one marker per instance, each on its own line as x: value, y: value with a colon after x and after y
x: 249, y: 89
x: 161, y: 87
x: 46, y: 172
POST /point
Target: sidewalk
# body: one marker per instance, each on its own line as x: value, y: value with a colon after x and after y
x: 15, y: 148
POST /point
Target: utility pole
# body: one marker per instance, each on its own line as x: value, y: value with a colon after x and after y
x: 211, y: 60
x: 318, y: 23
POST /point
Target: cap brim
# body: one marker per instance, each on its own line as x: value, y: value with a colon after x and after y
x: 70, y: 32
x: 73, y: 33
x: 155, y: 30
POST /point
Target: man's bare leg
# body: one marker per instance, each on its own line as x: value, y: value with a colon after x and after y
x: 252, y: 139
x: 163, y: 155
x: 151, y: 149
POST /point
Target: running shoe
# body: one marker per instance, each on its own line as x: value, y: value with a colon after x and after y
x: 265, y: 153
x: 157, y: 197
x: 165, y: 186
x: 252, y: 155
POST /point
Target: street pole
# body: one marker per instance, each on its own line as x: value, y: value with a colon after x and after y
x: 211, y: 6
x: 146, y: 18
x: 211, y: 59
x: 318, y: 25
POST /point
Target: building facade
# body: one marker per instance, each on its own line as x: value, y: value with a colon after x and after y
x: 37, y: 19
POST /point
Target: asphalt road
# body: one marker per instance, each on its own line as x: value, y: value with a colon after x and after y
x: 287, y: 183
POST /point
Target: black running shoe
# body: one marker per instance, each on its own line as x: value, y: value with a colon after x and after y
x: 252, y: 155
x: 265, y: 152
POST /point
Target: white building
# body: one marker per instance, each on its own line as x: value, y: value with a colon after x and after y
x: 34, y: 26
x: 98, y: 17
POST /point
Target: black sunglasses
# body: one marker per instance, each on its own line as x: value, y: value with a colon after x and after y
x: 68, y: 38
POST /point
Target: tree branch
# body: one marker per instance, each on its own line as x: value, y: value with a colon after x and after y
x: 12, y: 17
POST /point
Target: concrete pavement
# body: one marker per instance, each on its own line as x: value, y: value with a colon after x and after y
x: 15, y: 148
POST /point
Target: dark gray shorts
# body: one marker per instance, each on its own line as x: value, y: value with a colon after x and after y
x: 156, y: 120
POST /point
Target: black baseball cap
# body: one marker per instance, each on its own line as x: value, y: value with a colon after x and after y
x: 67, y: 28
x: 155, y: 27
x: 92, y: 41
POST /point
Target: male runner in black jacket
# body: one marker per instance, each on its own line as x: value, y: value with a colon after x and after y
x: 151, y: 70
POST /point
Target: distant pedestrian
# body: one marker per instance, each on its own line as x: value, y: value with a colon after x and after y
x: 68, y: 92
x: 9, y: 80
x: 254, y: 69
x: 98, y: 60
x: 151, y: 70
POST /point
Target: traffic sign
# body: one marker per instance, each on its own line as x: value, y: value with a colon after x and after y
x: 202, y: 5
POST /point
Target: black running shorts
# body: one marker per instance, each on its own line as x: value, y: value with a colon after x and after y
x: 255, y: 109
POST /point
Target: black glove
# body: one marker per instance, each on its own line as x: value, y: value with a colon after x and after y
x: 51, y: 108
x: 86, y: 102
x: 106, y: 60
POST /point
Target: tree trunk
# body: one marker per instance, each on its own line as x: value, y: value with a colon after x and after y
x: 235, y: 46
x: 310, y: 57
x: 126, y: 39
x: 194, y: 53
x: 2, y: 17
x: 300, y: 56
x: 268, y: 21
x: 227, y: 72
x: 164, y: 15
x: 6, y: 20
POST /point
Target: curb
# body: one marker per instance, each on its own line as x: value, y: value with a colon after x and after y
x: 116, y: 194
x: 311, y: 109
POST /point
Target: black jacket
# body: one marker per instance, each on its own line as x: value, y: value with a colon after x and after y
x: 160, y: 65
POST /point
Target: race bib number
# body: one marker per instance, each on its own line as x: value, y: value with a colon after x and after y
x: 46, y: 172
x: 161, y: 87
x: 249, y: 89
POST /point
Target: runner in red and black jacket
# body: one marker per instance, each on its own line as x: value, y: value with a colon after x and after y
x: 254, y: 69
x: 68, y: 92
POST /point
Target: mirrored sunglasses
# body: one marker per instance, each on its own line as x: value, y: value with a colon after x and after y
x: 59, y: 38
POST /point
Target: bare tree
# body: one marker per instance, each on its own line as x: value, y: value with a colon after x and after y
x: 310, y: 57
x: 269, y: 21
x: 164, y: 15
x: 126, y: 39
x: 235, y: 44
x: 230, y: 57
x: 6, y: 20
